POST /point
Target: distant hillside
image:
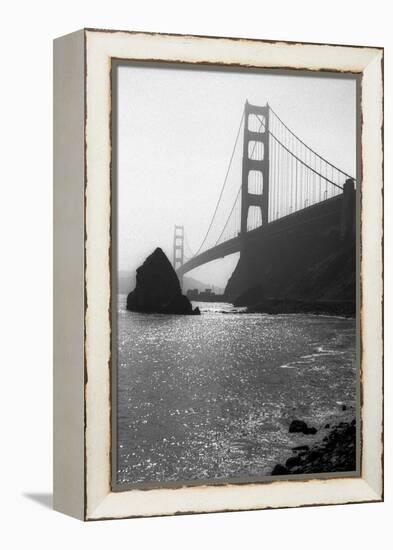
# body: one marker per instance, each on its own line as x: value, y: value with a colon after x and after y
x: 126, y: 283
x: 191, y: 283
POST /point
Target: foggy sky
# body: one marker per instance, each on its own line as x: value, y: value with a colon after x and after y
x: 176, y: 130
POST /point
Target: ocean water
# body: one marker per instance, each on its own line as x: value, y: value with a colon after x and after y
x: 211, y: 397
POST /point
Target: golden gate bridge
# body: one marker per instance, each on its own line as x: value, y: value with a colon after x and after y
x: 280, y: 175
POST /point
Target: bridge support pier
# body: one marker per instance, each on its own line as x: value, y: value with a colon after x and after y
x: 348, y: 210
x: 261, y: 165
x: 178, y: 249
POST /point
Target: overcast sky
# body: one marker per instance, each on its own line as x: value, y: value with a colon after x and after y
x: 176, y: 130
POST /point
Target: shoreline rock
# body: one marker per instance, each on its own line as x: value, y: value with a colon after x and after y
x: 335, y: 453
x: 343, y: 308
x: 158, y: 289
x: 298, y: 426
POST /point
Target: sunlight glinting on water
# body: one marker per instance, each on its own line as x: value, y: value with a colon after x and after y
x: 211, y: 396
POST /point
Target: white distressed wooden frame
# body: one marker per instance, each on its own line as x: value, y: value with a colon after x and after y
x: 82, y: 108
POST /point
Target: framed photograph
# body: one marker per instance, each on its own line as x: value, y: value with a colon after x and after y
x: 218, y: 274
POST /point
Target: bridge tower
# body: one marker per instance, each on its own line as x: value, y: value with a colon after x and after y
x: 250, y: 139
x: 178, y: 247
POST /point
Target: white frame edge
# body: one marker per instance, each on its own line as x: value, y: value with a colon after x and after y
x: 101, y: 47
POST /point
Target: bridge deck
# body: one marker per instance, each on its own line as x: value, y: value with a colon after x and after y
x: 306, y: 215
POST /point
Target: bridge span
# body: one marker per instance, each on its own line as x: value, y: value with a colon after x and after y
x: 284, y: 184
x: 334, y: 208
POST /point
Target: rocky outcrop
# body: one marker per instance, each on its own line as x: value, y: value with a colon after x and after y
x: 300, y: 263
x: 158, y: 289
x: 299, y: 426
x: 326, y: 286
x: 335, y: 453
x: 343, y: 308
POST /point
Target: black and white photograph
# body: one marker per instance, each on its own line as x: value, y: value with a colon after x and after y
x: 235, y: 274
x: 196, y: 281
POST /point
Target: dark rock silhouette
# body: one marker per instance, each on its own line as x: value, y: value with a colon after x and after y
x: 344, y: 308
x: 298, y: 426
x: 158, y: 289
x: 280, y: 470
x: 301, y: 448
x: 304, y: 263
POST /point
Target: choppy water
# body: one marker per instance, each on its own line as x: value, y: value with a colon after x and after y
x: 212, y: 396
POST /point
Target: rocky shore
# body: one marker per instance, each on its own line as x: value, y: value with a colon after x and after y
x: 335, y: 452
x: 344, y: 308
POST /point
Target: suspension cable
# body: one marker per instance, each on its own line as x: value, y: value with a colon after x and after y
x: 230, y: 214
x: 223, y: 186
x: 302, y: 162
x: 188, y: 245
x: 307, y: 146
x: 262, y: 124
x: 237, y: 196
